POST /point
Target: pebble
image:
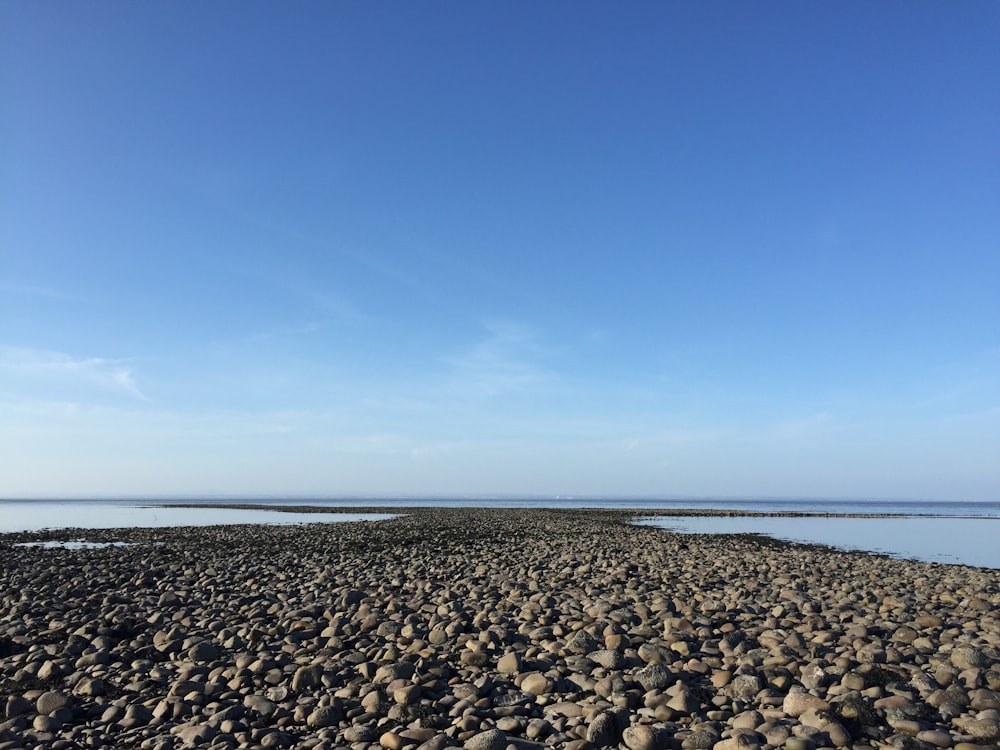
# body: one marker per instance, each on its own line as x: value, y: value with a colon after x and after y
x: 50, y: 701
x: 797, y: 703
x: 603, y: 730
x: 392, y: 741
x: 324, y: 716
x: 490, y: 629
x: 935, y: 737
x: 491, y: 739
x: 535, y: 683
x: 642, y: 737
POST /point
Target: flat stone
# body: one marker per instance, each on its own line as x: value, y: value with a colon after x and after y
x: 935, y: 737
x: 491, y: 739
x: 739, y: 742
x: 363, y: 733
x: 197, y: 734
x: 607, y: 658
x: 437, y: 742
x: 797, y: 703
x: 983, y: 729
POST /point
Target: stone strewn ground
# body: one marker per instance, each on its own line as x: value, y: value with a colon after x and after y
x: 490, y: 629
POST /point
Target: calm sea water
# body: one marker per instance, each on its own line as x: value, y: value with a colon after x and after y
x: 949, y: 532
x: 118, y: 514
x: 965, y: 540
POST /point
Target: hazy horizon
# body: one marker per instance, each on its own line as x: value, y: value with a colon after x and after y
x: 663, y: 250
x: 486, y: 497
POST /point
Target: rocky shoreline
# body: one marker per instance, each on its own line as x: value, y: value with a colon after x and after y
x: 489, y: 629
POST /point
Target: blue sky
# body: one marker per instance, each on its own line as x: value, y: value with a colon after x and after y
x: 722, y: 248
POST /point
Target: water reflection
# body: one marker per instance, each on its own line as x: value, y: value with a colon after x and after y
x: 965, y: 541
x: 35, y: 516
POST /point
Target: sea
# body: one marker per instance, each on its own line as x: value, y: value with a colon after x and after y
x: 956, y: 533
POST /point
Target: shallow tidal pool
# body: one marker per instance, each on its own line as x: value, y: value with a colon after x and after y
x: 39, y: 515
x: 959, y: 541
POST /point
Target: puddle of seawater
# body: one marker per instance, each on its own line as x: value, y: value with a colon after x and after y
x: 36, y: 516
x: 962, y: 541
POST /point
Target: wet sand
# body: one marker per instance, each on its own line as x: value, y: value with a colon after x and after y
x: 489, y: 629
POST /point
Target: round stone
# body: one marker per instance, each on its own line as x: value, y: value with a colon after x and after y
x: 51, y: 701
x: 491, y: 739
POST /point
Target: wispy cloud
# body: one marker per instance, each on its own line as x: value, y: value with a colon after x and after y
x: 41, y: 366
x: 271, y: 335
x: 500, y: 363
x: 368, y: 258
x: 22, y: 289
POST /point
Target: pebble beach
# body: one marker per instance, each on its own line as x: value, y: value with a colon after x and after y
x: 489, y: 629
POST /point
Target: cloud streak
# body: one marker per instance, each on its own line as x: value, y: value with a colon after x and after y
x: 38, y: 369
x: 500, y: 363
x: 8, y: 286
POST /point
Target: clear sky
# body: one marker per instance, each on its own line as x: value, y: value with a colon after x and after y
x: 712, y: 248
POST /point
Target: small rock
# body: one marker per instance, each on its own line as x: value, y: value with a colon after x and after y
x: 607, y: 658
x: 813, y: 676
x: 197, y: 735
x: 261, y: 705
x: 747, y: 720
x: 536, y: 683
x: 603, y: 730
x: 838, y: 734
x: 17, y: 705
x: 324, y: 716
x: 89, y: 687
x: 509, y: 663
x: 51, y: 701
x: 307, y: 677
x: 742, y: 741
x: 203, y: 651
x: 136, y: 715
x: 654, y: 677
x: 437, y: 742
x: 491, y: 739
x: 474, y: 658
x: 50, y: 670
x: 46, y: 723
x: 276, y: 738
x: 581, y: 642
x: 935, y: 737
x: 363, y: 733
x: 984, y: 700
x: 967, y: 657
x: 745, y: 686
x: 797, y: 703
x: 642, y: 737
x: 983, y: 729
x: 407, y: 695
x: 906, y: 726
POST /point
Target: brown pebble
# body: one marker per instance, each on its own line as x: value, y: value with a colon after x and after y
x: 391, y: 741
